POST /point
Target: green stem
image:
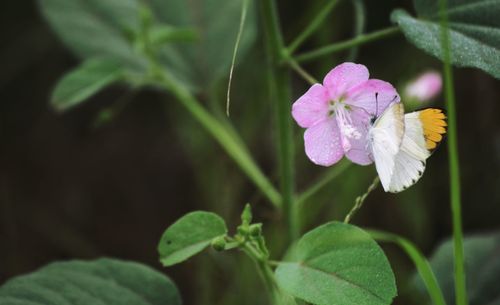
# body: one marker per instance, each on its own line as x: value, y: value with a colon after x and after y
x: 303, y: 73
x: 313, y: 26
x: 423, y: 267
x: 361, y: 199
x: 225, y: 138
x: 267, y: 274
x: 344, y: 45
x: 456, y: 210
x: 279, y: 86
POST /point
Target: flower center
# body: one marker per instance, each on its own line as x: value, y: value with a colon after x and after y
x: 344, y: 120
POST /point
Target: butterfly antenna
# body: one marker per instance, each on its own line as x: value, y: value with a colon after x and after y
x: 376, y: 104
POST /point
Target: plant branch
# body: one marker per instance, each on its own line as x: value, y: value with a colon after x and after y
x: 344, y: 45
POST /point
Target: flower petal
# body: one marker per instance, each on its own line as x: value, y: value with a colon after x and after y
x: 344, y: 77
x: 358, y: 151
x: 311, y: 107
x: 365, y: 96
x: 323, y: 144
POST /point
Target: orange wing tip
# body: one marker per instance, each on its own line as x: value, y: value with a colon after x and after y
x: 434, y: 126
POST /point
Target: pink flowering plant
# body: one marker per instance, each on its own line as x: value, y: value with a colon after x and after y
x: 294, y: 251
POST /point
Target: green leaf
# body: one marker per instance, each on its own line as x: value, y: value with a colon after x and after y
x: 474, y: 31
x: 97, y: 28
x: 99, y: 282
x: 481, y: 264
x: 189, y: 236
x: 85, y: 81
x: 338, y: 264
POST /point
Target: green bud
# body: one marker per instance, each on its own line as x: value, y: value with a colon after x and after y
x: 243, y: 230
x: 246, y: 215
x: 255, y: 229
x: 219, y: 243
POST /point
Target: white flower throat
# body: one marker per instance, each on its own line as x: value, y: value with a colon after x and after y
x: 344, y: 121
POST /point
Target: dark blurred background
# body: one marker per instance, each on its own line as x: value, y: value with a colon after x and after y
x: 72, y: 186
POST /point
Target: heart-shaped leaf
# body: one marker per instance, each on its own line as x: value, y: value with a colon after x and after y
x: 189, y: 235
x: 99, y: 282
x: 338, y: 264
x: 474, y: 31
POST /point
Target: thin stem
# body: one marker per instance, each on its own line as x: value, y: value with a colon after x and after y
x: 303, y: 73
x: 244, y: 8
x: 456, y: 210
x: 279, y: 86
x: 313, y: 26
x: 361, y: 199
x: 344, y: 45
x: 423, y: 267
x: 267, y: 274
x: 225, y: 138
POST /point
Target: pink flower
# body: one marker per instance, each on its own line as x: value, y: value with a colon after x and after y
x: 426, y: 87
x: 337, y: 114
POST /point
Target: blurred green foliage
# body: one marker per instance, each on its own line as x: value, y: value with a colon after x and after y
x: 67, y: 187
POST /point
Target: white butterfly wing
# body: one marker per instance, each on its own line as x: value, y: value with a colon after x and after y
x: 409, y: 163
x: 385, y: 138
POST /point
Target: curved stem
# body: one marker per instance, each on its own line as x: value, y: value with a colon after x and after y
x: 423, y: 267
x: 344, y: 45
x: 244, y: 8
x: 456, y: 206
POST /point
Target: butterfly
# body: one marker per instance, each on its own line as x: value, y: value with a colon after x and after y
x: 401, y: 143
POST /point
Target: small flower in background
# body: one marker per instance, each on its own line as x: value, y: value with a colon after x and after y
x: 425, y: 87
x: 337, y: 114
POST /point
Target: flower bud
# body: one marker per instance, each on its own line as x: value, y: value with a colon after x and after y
x: 243, y: 230
x: 219, y: 243
x: 246, y: 215
x: 425, y: 87
x: 255, y: 229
